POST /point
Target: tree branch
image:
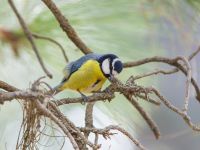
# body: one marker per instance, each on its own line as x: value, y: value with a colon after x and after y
x: 93, y: 98
x: 89, y: 117
x: 67, y: 28
x: 7, y: 87
x: 37, y: 36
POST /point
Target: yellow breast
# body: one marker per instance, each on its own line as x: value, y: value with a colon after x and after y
x: 88, y: 78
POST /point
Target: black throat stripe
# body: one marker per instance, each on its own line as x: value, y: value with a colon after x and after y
x: 96, y: 83
x: 110, y: 66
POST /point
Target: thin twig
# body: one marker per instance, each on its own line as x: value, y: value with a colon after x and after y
x: 153, y: 73
x: 194, y: 54
x: 148, y: 99
x: 29, y: 37
x: 37, y: 36
x: 123, y: 131
x: 188, y: 81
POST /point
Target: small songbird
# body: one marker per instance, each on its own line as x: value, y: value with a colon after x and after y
x: 89, y: 73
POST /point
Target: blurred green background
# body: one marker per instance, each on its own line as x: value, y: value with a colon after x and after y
x: 132, y: 29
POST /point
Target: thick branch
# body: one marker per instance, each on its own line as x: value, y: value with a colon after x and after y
x: 93, y: 98
x: 26, y: 95
x: 7, y: 87
x: 67, y: 28
x: 89, y: 117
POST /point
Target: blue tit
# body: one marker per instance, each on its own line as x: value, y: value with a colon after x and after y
x: 89, y: 73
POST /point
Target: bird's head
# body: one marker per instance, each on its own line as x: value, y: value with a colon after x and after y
x: 110, y: 65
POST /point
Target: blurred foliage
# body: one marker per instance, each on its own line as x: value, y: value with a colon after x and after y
x: 195, y: 4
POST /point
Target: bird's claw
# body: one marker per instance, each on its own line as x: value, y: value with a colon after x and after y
x: 85, y: 99
x: 107, y: 90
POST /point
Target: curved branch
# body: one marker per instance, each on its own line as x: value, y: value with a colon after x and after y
x: 53, y: 41
x: 157, y: 59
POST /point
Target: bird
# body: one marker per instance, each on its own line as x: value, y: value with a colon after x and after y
x: 88, y: 73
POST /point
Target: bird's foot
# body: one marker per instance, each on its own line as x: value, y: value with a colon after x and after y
x: 84, y: 97
x: 107, y: 90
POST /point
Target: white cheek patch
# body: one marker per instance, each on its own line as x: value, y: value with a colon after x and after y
x: 106, y: 66
x: 114, y: 61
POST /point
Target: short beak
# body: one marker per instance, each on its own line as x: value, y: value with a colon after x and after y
x: 111, y: 78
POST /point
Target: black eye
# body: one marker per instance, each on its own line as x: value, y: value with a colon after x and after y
x: 118, y: 66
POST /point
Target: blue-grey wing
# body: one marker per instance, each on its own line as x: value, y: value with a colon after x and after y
x: 75, y: 65
x: 67, y: 69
